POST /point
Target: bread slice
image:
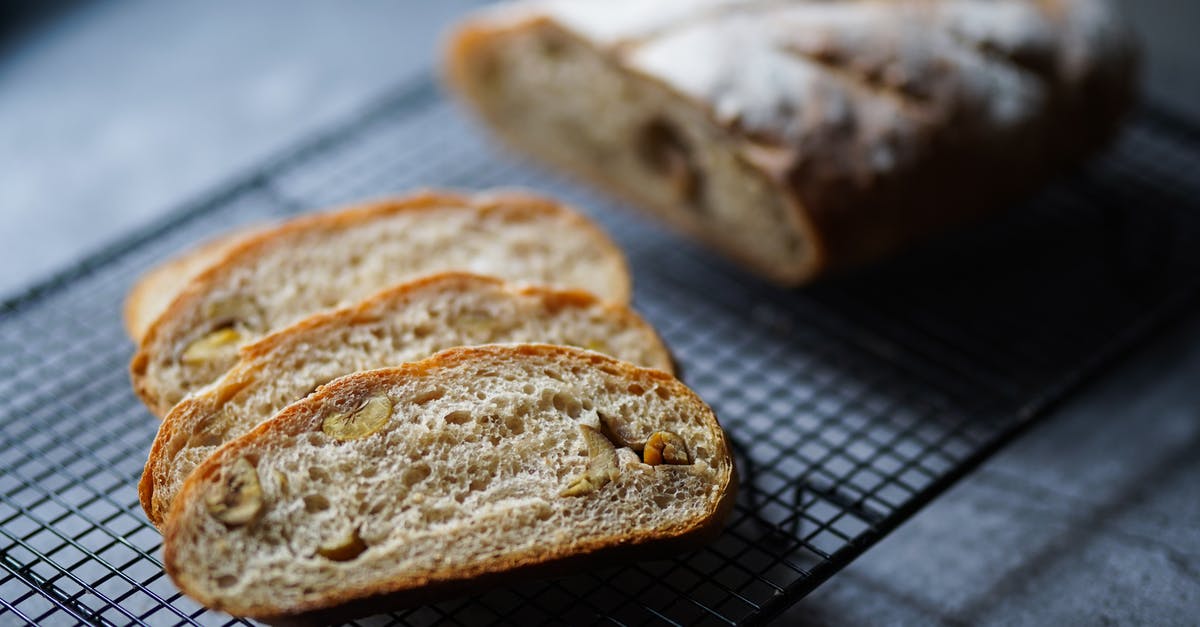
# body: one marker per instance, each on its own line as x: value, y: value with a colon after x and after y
x: 443, y: 473
x: 399, y: 325
x: 802, y: 137
x: 155, y: 290
x: 319, y: 262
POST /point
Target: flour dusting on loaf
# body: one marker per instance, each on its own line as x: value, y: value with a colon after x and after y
x: 802, y: 137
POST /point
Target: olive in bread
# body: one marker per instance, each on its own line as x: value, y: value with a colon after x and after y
x: 802, y: 137
x: 398, y: 325
x: 280, y: 275
x: 446, y: 474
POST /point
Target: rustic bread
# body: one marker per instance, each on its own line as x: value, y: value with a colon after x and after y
x: 402, y: 324
x: 802, y: 137
x: 314, y: 263
x: 155, y: 290
x: 441, y: 473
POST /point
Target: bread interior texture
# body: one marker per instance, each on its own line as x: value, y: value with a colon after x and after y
x: 555, y: 96
x: 470, y: 474
x: 404, y: 324
x: 350, y: 256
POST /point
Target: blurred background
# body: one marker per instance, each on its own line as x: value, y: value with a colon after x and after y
x: 112, y: 114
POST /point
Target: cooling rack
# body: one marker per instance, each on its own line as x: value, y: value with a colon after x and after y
x: 852, y: 404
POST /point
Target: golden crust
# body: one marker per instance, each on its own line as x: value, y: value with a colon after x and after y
x: 469, y: 42
x: 254, y: 357
x: 296, y: 419
x: 510, y: 202
x: 847, y: 213
x: 156, y: 289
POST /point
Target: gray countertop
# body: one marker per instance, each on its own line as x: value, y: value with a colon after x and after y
x: 1089, y: 519
x: 111, y: 113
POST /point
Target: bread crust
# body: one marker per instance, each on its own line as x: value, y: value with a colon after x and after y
x: 955, y: 163
x: 253, y: 358
x: 449, y: 580
x: 610, y: 556
x: 246, y: 250
x: 157, y: 288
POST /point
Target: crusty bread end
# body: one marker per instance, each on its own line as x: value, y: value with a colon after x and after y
x: 318, y: 262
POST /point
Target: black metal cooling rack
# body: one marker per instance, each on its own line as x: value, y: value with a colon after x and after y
x: 852, y: 404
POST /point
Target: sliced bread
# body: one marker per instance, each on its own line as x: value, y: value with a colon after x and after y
x: 401, y: 324
x: 443, y: 475
x: 280, y: 275
x: 155, y: 290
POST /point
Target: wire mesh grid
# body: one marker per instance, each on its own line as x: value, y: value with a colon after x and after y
x: 851, y: 404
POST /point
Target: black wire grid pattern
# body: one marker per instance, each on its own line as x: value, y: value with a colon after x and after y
x: 851, y: 404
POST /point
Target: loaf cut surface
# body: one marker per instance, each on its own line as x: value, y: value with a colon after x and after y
x: 155, y: 290
x: 444, y: 473
x: 398, y: 325
x: 319, y: 262
x: 802, y: 137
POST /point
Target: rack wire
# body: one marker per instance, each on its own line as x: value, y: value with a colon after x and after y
x: 852, y: 404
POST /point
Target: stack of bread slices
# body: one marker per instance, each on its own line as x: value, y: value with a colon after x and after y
x: 389, y: 403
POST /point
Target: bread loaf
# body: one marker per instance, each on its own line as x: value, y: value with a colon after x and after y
x: 802, y: 137
x: 445, y: 474
x: 280, y: 275
x: 399, y: 325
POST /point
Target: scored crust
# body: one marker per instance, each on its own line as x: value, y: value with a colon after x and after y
x: 270, y: 442
x: 159, y: 343
x: 201, y: 422
x: 838, y: 134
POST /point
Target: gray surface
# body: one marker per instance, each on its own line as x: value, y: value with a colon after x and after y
x: 1171, y: 61
x: 114, y: 112
x: 1091, y: 518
